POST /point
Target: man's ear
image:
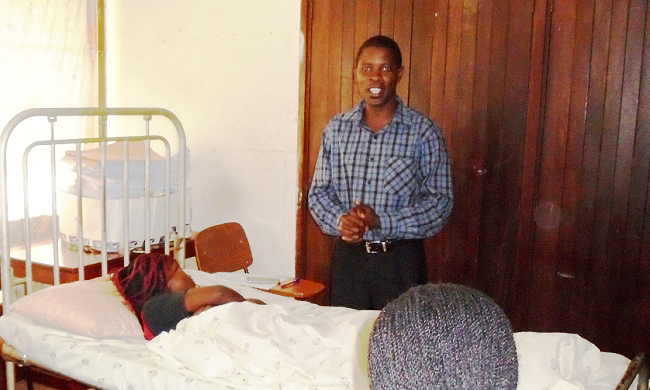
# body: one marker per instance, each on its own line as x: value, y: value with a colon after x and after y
x: 400, y: 72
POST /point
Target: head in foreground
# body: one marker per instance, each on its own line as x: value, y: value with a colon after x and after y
x: 442, y: 336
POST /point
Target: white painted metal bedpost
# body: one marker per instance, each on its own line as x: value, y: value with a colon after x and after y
x: 5, y: 277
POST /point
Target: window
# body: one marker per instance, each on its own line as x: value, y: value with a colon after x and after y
x: 48, y: 52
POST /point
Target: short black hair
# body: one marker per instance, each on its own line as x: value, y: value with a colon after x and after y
x: 384, y: 42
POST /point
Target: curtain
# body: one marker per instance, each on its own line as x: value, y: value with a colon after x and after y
x: 48, y: 52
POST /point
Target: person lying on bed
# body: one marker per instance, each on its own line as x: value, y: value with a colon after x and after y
x: 161, y: 294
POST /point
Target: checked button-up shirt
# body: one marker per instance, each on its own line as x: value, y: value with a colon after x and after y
x: 402, y: 171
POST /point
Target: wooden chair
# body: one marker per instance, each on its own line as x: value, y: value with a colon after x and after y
x: 223, y: 248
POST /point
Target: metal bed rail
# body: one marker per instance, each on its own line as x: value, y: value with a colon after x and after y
x: 638, y: 368
x: 102, y: 139
x: 10, y: 355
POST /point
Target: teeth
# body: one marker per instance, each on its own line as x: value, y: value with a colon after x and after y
x: 375, y: 91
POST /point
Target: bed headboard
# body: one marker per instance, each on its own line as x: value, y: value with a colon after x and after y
x: 85, y: 217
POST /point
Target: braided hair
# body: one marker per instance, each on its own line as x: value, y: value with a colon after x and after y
x: 143, y: 278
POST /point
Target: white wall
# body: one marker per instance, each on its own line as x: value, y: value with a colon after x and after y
x: 229, y: 69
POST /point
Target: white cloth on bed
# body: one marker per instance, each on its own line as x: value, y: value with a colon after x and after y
x: 249, y: 343
x: 564, y: 361
x: 261, y: 345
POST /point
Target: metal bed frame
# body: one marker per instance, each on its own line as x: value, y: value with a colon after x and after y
x: 638, y: 367
x: 174, y: 236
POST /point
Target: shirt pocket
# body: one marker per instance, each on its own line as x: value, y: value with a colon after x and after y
x: 399, y: 175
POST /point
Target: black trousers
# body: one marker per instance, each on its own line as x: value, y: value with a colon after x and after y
x: 362, y: 280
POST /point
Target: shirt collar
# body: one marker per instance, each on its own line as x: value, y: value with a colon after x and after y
x: 401, y: 115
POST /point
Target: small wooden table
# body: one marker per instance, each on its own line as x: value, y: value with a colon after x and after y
x: 301, y: 289
x: 43, y: 266
x: 43, y: 261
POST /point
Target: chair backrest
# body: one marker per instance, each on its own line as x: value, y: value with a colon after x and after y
x: 223, y: 248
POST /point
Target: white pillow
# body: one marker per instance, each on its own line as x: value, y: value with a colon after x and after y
x: 92, y: 308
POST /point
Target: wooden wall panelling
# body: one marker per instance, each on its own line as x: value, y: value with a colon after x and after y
x: 387, y: 20
x: 638, y: 239
x: 547, y: 215
x: 519, y: 297
x: 516, y: 87
x: 491, y: 213
x: 348, y: 55
x: 626, y: 129
x: 460, y: 270
x: 437, y: 17
x: 304, y: 172
x: 641, y: 293
x: 399, y: 28
x: 428, y: 61
x: 452, y: 68
x: 476, y: 167
x: 313, y: 243
x: 601, y: 308
x: 637, y: 249
x: 318, y: 49
x: 640, y: 164
x: 459, y: 87
x: 335, y: 58
x: 505, y: 145
x: 625, y: 187
x: 468, y: 134
x: 571, y: 283
x: 419, y: 69
x: 589, y: 179
x: 549, y: 212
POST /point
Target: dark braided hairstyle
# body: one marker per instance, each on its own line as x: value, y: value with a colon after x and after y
x: 143, y: 278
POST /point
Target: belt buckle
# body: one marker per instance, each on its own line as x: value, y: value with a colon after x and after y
x: 375, y: 246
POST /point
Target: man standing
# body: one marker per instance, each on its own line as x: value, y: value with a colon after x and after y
x: 382, y: 183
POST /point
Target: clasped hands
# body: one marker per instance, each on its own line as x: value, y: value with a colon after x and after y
x: 360, y: 219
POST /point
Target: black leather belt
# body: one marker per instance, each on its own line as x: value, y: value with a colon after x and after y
x: 377, y: 246
x: 387, y: 245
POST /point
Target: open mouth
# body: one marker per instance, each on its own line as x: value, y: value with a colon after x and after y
x: 375, y: 90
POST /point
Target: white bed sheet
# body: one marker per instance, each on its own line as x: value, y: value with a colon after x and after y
x: 122, y: 364
x: 180, y: 360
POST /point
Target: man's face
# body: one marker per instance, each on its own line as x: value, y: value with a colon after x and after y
x: 377, y: 76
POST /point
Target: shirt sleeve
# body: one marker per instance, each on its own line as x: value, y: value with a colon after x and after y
x: 162, y: 312
x: 428, y: 213
x: 324, y: 204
